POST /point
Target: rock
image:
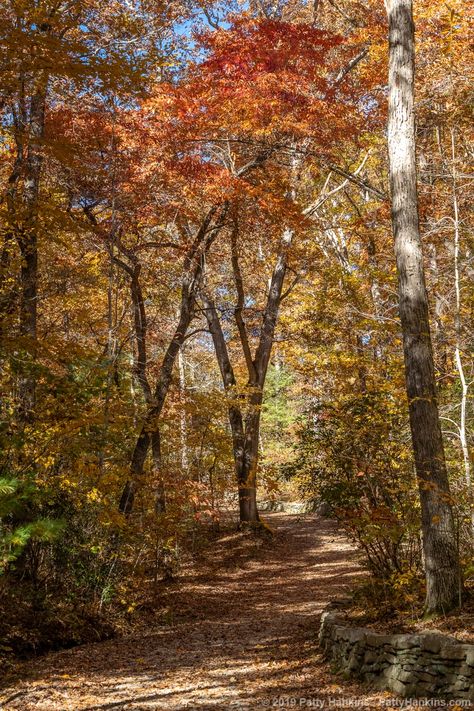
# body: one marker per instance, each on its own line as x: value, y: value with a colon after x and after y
x: 427, y: 676
x: 271, y: 506
x: 377, y: 640
x: 405, y: 676
x: 398, y: 687
x: 412, y: 665
x: 441, y: 670
x: 470, y: 655
x: 432, y: 641
x: 371, y: 657
x: 453, y: 651
x: 405, y: 641
x: 324, y: 509
x: 352, y: 634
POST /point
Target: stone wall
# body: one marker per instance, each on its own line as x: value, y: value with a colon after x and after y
x: 428, y: 664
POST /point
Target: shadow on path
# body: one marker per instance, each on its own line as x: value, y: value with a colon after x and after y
x: 244, y: 637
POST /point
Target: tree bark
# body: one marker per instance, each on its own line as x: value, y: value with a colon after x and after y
x: 28, y: 243
x: 160, y: 491
x: 246, y: 431
x: 235, y: 413
x: 192, y: 274
x: 183, y: 425
x: 439, y: 540
x: 247, y: 476
x: 463, y: 433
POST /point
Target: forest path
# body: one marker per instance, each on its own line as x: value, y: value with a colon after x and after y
x: 243, y: 635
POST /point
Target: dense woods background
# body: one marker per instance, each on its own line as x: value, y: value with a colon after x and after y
x: 198, y: 298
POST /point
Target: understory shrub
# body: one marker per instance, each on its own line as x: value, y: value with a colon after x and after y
x: 354, y: 454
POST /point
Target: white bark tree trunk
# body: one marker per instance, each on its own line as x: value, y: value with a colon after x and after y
x: 458, y: 342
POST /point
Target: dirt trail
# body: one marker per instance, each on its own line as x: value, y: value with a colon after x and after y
x: 244, y: 636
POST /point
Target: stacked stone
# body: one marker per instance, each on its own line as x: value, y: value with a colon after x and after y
x: 428, y: 664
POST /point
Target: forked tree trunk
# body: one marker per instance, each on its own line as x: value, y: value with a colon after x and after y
x: 246, y: 431
x: 150, y: 426
x: 193, y: 271
x: 439, y: 540
x: 149, y: 432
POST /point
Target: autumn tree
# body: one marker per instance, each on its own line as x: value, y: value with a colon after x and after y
x: 52, y: 53
x: 439, y: 539
x: 249, y: 71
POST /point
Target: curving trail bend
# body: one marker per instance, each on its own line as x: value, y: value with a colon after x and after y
x: 243, y: 636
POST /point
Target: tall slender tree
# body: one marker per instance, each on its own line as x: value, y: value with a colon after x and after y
x: 439, y: 541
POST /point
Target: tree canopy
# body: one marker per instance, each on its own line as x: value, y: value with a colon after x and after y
x: 198, y: 288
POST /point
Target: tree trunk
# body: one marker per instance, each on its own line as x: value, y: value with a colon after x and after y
x: 248, y: 511
x: 247, y: 473
x: 439, y: 540
x: 463, y: 433
x: 136, y: 472
x: 28, y: 243
x: 192, y: 274
x: 160, y: 491
x: 183, y: 425
x: 150, y: 426
x: 246, y: 434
